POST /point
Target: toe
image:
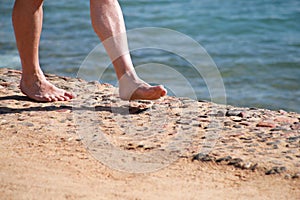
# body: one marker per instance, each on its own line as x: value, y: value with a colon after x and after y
x: 45, y: 98
x: 61, y: 98
x: 156, y: 92
x: 69, y: 95
x: 53, y: 98
x: 163, y: 90
x: 67, y: 98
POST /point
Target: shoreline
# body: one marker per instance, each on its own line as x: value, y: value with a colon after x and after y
x: 244, y: 146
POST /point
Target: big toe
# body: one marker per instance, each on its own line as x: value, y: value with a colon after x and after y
x: 149, y: 93
x: 41, y: 98
x: 161, y: 90
x: 156, y: 92
x: 69, y: 95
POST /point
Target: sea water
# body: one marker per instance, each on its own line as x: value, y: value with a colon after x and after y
x: 255, y: 44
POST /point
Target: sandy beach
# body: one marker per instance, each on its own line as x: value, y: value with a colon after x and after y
x: 99, y: 147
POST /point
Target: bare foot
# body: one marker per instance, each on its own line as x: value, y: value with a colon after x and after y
x: 136, y: 89
x: 39, y: 89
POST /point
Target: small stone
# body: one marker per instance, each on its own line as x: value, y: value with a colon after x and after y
x: 297, y: 175
x: 295, y: 126
x: 253, y: 167
x: 246, y: 138
x: 269, y: 172
x: 185, y: 127
x: 266, y: 125
x: 62, y: 121
x: 93, y: 83
x: 293, y: 139
x: 274, y: 143
x: 227, y: 123
x: 184, y: 122
x: 203, y: 157
x: 226, y: 159
x: 246, y: 165
x: 275, y: 170
x: 252, y: 150
x: 230, y: 113
x: 279, y: 128
x: 235, y: 161
x: 237, y: 126
x: 220, y: 114
x: 287, y: 120
x: 287, y: 176
x: 212, y: 125
x: 203, y: 116
x: 236, y: 119
x: 28, y: 124
x: 245, y: 123
x: 216, y: 114
x: 62, y: 110
x: 289, y: 157
x: 4, y: 122
x: 197, y: 124
x: 262, y: 140
x: 282, y: 111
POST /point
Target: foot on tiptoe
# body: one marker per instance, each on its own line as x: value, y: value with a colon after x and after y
x: 136, y: 89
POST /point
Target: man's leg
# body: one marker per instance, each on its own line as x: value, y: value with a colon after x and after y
x: 27, y: 20
x: 108, y: 23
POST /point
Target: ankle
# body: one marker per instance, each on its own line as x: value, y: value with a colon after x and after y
x: 130, y: 76
x: 34, y: 76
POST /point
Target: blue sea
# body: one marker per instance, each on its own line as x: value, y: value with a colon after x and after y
x: 255, y: 44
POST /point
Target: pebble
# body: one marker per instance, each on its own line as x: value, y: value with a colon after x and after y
x: 275, y: 170
x: 247, y: 165
x: 293, y: 139
x: 287, y: 176
x: 216, y: 114
x: 184, y: 122
x: 203, y: 157
x: 236, y: 119
x: 237, y: 126
x: 266, y: 125
x: 230, y: 113
x: 286, y: 120
x: 245, y: 137
x: 297, y: 175
x: 235, y: 161
x: 280, y: 128
x: 27, y: 124
x: 245, y: 123
x: 212, y: 125
x: 203, y: 116
x: 4, y: 122
x: 226, y: 159
x: 227, y: 123
x: 274, y: 142
x: 289, y: 157
x: 295, y: 126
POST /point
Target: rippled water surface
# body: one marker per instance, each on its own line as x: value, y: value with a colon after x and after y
x: 255, y: 44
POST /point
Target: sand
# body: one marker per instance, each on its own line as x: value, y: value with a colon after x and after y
x: 99, y: 147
